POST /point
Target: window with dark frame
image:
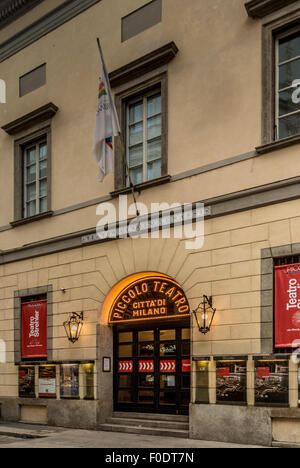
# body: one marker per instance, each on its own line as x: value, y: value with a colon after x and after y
x: 35, y: 178
x: 143, y: 116
x: 32, y: 164
x: 280, y: 70
x: 144, y: 137
x: 141, y: 96
x: 287, y: 112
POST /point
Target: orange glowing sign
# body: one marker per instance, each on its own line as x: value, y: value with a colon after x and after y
x: 147, y: 298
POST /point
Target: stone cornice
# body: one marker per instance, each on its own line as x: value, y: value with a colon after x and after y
x: 261, y: 8
x: 141, y: 66
x: 68, y: 10
x: 10, y: 10
x: 37, y: 116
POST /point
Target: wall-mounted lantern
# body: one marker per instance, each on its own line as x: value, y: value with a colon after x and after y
x: 73, y: 327
x: 204, y: 314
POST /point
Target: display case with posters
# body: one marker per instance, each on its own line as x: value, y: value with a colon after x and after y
x: 231, y: 381
x: 272, y: 382
x: 27, y: 382
x: 47, y: 381
x: 88, y: 381
x: 69, y: 381
x: 202, y: 381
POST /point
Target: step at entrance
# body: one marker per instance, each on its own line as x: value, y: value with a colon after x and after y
x: 162, y: 425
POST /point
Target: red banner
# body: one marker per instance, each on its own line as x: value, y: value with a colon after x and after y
x: 287, y: 306
x: 146, y: 366
x: 186, y: 365
x: 34, y: 329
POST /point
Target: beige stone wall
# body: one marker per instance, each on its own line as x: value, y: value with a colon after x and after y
x: 227, y: 267
x: 214, y: 93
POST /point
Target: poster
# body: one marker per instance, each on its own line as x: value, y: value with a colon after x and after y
x: 27, y: 382
x: 34, y: 329
x: 272, y: 382
x: 287, y: 306
x: 47, y: 381
x: 69, y: 381
x: 231, y: 381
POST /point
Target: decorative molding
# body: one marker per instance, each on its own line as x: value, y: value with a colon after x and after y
x: 44, y: 25
x: 11, y: 10
x: 37, y: 116
x: 143, y: 65
x: 261, y: 8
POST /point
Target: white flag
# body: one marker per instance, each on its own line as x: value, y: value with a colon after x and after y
x: 107, y: 125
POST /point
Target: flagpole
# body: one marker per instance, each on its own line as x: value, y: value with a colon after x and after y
x: 132, y: 186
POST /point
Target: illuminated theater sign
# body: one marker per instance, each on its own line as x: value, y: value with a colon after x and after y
x: 149, y: 298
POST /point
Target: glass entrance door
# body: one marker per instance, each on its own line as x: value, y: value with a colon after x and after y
x: 152, y: 370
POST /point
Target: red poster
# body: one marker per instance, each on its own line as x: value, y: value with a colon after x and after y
x: 34, y: 329
x: 146, y: 366
x: 126, y: 366
x: 224, y: 372
x: 287, y: 306
x: 263, y: 372
x: 186, y: 365
x: 168, y: 366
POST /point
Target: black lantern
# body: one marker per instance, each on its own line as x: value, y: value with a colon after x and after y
x: 73, y: 327
x: 204, y: 315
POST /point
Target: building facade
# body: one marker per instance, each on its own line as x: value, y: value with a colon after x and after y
x: 209, y: 108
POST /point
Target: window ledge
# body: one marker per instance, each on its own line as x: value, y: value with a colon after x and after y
x: 141, y: 187
x: 261, y: 8
x: 31, y: 219
x: 278, y: 144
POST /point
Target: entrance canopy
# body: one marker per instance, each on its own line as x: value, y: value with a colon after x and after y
x: 145, y: 296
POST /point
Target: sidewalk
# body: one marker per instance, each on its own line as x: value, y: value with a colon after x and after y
x: 30, y: 436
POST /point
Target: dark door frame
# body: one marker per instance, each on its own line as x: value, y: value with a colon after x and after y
x: 178, y: 408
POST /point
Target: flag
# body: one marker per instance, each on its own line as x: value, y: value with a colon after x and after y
x: 107, y: 125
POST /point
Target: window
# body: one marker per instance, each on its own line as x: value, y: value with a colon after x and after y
x: 35, y: 188
x: 287, y: 70
x: 144, y: 138
x: 280, y: 67
x: 141, y: 95
x: 32, y: 164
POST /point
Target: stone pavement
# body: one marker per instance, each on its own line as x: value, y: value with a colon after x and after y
x: 30, y: 436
